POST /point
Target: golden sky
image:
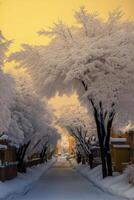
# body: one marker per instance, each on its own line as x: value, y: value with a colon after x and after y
x: 21, y: 19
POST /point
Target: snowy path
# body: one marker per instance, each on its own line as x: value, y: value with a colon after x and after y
x: 61, y: 182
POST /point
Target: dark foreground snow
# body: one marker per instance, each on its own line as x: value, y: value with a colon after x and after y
x: 61, y: 182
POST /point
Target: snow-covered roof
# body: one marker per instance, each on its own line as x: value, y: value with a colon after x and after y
x: 121, y: 146
x: 4, y: 137
x: 3, y: 146
x: 118, y: 139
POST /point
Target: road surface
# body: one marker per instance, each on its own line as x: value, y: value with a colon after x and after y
x: 61, y: 182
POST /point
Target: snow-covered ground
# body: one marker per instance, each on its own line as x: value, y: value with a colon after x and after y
x: 23, y: 182
x: 117, y: 185
x: 61, y: 182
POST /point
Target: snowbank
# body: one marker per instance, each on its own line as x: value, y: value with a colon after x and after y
x: 116, y: 185
x: 23, y: 182
x: 130, y: 173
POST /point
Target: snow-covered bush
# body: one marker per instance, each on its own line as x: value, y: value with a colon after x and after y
x: 130, y: 173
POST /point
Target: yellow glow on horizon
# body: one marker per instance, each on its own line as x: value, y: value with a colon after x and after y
x: 59, y: 101
x: 63, y: 143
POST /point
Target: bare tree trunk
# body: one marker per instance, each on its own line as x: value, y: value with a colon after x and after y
x: 109, y: 164
x: 90, y: 158
x: 83, y: 161
x: 104, y: 165
x: 43, y: 156
x: 103, y: 119
x: 20, y: 157
x: 78, y: 158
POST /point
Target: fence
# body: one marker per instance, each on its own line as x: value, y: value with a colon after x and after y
x: 8, y: 172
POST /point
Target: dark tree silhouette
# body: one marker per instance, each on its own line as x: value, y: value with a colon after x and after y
x: 21, y: 152
x: 81, y: 138
x: 104, y: 121
x: 43, y: 153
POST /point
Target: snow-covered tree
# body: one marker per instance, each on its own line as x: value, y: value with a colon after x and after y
x: 31, y: 123
x: 6, y: 88
x: 95, y: 58
x: 25, y: 119
x: 80, y: 125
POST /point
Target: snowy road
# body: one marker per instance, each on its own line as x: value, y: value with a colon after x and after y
x: 61, y: 182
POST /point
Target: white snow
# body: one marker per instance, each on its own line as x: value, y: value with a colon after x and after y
x: 116, y: 185
x: 2, y: 146
x: 118, y: 139
x: 4, y: 137
x: 61, y: 182
x: 130, y: 173
x: 23, y: 181
x: 121, y: 146
x: 97, y: 53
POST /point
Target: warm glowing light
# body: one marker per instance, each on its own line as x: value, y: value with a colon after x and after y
x: 63, y: 143
x: 59, y: 101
